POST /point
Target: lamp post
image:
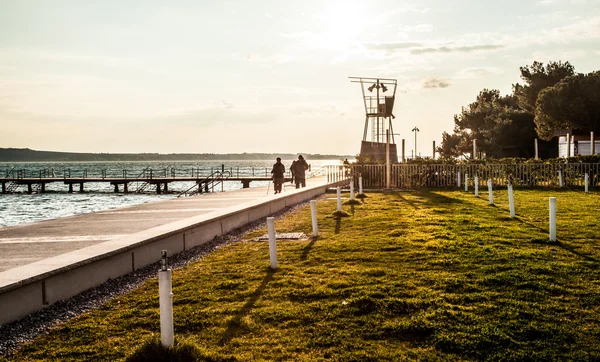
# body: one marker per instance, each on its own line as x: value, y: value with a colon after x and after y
x: 415, y: 130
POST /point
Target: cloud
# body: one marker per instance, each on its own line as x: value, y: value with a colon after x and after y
x: 456, y: 49
x: 434, y: 82
x: 476, y: 72
x: 420, y: 28
x: 392, y: 46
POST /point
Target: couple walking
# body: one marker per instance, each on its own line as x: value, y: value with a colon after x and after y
x: 298, y: 169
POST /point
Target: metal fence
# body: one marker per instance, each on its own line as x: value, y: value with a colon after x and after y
x: 443, y: 175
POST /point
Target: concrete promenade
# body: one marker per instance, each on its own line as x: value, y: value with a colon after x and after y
x: 48, y: 261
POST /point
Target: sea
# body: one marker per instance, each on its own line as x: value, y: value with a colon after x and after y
x: 19, y: 207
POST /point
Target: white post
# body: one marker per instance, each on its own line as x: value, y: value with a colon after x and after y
x: 165, y: 299
x: 587, y: 182
x: 458, y: 183
x: 511, y: 200
x: 272, y: 242
x: 339, y: 199
x: 560, y: 179
x: 553, y: 219
x: 352, y: 189
x: 490, y: 191
x: 388, y: 166
x: 476, y: 186
x: 360, y: 185
x: 313, y: 212
x: 466, y: 182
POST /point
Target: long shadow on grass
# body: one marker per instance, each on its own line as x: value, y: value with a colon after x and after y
x: 572, y: 250
x: 338, y: 224
x: 405, y: 200
x: 234, y: 327
x: 307, y: 248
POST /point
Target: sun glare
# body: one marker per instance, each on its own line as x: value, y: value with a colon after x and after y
x: 343, y: 22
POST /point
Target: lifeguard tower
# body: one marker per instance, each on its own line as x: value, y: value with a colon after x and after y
x: 379, y: 104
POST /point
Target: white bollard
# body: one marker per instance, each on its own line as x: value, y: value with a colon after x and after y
x: 490, y: 192
x: 165, y: 298
x: 352, y: 189
x: 476, y: 186
x: 552, y: 219
x: 360, y: 185
x: 466, y: 182
x: 339, y: 199
x: 272, y: 242
x: 458, y: 183
x: 313, y: 212
x: 511, y: 201
x: 560, y: 179
x: 587, y: 183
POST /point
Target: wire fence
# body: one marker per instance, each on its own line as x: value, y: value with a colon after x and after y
x: 442, y: 175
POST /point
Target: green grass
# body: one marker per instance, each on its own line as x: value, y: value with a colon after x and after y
x: 424, y: 275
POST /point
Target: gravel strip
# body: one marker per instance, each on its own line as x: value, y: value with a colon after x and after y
x: 14, y: 335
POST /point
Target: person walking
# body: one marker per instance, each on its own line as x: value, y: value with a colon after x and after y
x: 300, y: 168
x: 277, y: 173
x: 292, y: 170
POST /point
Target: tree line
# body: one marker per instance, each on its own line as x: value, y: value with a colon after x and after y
x: 552, y: 100
x: 28, y: 155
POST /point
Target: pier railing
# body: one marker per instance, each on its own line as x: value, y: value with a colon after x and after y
x: 443, y: 175
x: 146, y: 173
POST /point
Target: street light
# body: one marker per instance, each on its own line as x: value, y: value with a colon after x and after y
x: 415, y: 130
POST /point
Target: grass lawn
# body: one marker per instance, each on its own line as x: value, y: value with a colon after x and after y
x: 424, y: 275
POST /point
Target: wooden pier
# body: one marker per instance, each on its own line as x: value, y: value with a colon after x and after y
x: 203, y: 183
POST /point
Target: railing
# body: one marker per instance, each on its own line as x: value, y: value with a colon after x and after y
x: 442, y: 175
x: 195, y: 172
x: 211, y: 181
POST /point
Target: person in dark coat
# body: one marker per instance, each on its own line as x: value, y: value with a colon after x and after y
x: 300, y: 168
x: 278, y: 172
x: 292, y: 170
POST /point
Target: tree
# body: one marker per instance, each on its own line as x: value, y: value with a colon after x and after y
x: 499, y: 125
x: 573, y: 103
x: 536, y: 78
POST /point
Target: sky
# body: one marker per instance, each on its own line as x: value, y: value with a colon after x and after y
x: 264, y: 76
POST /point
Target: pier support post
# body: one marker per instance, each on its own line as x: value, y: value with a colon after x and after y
x: 125, y: 189
x: 70, y: 188
x: 116, y: 187
x: 81, y: 187
x: 158, y: 191
x: 166, y: 187
x: 43, y: 188
x: 245, y: 184
x: 29, y: 190
x: 206, y: 187
x: 3, y: 187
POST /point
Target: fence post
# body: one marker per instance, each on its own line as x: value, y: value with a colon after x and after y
x: 490, y: 191
x: 476, y: 186
x: 339, y: 199
x: 272, y: 242
x: 587, y: 182
x: 360, y: 189
x: 167, y: 338
x: 352, y: 188
x: 458, y: 182
x: 560, y: 179
x: 313, y: 212
x: 552, y: 202
x: 466, y: 182
x: 511, y: 200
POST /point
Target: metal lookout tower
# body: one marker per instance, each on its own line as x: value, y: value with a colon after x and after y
x: 379, y: 104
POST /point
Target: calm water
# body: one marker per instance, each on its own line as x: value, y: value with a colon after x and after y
x: 21, y: 208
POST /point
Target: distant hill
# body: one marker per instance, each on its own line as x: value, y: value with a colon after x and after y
x: 27, y: 155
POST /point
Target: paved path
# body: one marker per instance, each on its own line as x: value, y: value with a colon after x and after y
x: 25, y: 244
